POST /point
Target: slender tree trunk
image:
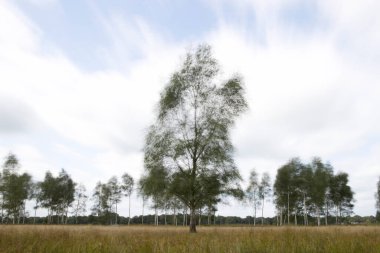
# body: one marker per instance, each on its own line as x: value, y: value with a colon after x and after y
x: 193, y: 228
x: 200, y: 216
x: 304, y: 210
x: 288, y: 209
x: 254, y: 217
x: 277, y: 218
x: 116, y: 213
x: 67, y: 210
x: 174, y: 216
x: 156, y: 216
x: 262, y: 213
x: 35, y: 214
x: 281, y: 216
x: 129, y: 209
x: 23, y: 216
x: 165, y: 215
x: 318, y: 217
x: 295, y: 218
x: 142, y: 217
x: 336, y: 215
x: 2, y: 210
x: 327, y: 213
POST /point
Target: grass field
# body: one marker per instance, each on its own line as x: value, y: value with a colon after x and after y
x: 42, y: 238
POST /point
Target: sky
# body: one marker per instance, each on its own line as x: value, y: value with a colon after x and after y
x: 80, y: 81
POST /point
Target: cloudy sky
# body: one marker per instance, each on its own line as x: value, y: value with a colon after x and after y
x: 79, y: 81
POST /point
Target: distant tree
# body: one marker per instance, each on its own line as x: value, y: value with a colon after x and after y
x: 154, y: 186
x: 190, y: 140
x: 115, y: 193
x: 264, y: 192
x: 286, y: 188
x: 102, y: 202
x: 57, y: 194
x: 252, y: 193
x: 49, y: 194
x: 35, y: 193
x: 304, y: 188
x: 127, y: 188
x: 80, y: 199
x: 65, y: 190
x: 305, y: 179
x: 341, y: 195
x: 15, y: 188
x: 320, y: 185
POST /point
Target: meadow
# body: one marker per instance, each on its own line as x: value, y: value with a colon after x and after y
x: 77, y: 238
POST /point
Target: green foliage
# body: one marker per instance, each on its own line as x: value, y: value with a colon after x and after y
x: 341, y: 194
x: 15, y: 188
x: 57, y: 193
x: 188, y: 152
x: 312, y: 189
x: 127, y: 184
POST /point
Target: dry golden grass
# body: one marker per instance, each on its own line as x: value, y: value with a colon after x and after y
x: 42, y: 238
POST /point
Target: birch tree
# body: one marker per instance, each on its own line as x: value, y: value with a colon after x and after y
x: 127, y: 188
x: 80, y: 200
x: 15, y: 188
x: 115, y: 193
x: 252, y: 193
x: 190, y: 139
x: 264, y: 192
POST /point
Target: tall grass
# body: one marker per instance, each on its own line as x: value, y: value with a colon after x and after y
x: 42, y: 238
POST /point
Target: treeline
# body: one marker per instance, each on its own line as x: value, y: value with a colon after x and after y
x: 182, y: 219
x: 302, y: 193
x: 59, y: 195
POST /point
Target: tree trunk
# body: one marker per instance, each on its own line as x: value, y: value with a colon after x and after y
x: 327, y: 213
x: 288, y: 209
x: 277, y: 218
x: 129, y: 209
x: 254, y: 217
x: 174, y: 216
x: 281, y: 216
x: 193, y: 228
x: 262, y: 214
x: 295, y: 218
x: 116, y: 213
x: 165, y: 215
x: 155, y: 216
x: 67, y: 210
x: 200, y: 216
x: 23, y: 218
x: 142, y: 217
x: 318, y: 217
x: 2, y: 211
x: 304, y: 210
